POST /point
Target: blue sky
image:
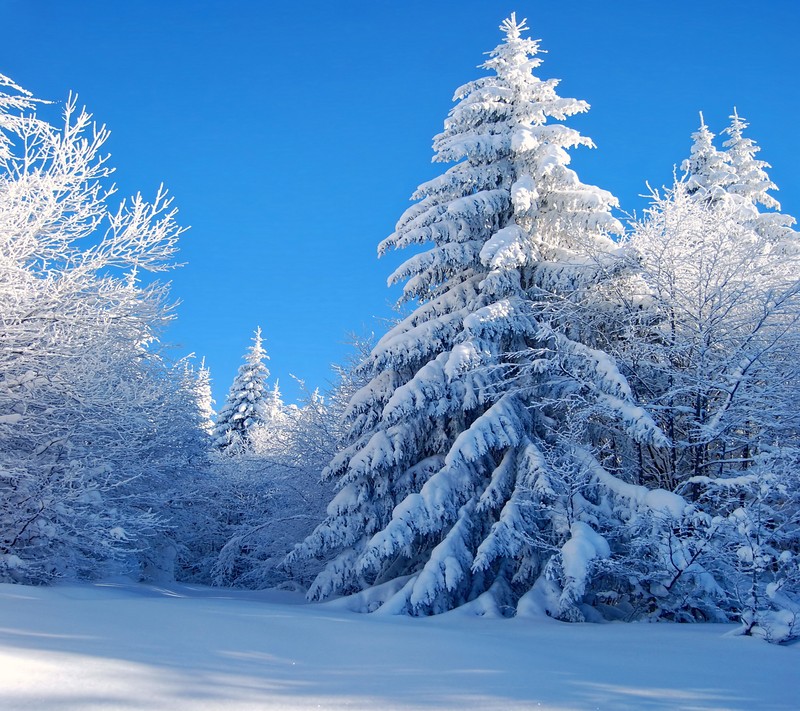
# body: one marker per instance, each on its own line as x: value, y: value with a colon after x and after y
x: 292, y: 136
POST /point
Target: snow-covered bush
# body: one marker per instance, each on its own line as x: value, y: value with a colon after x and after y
x: 264, y: 492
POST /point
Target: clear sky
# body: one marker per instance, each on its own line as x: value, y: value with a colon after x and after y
x: 292, y: 134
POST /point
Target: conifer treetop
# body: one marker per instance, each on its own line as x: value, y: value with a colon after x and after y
x: 257, y: 352
x: 751, y: 179
x: 707, y: 169
x: 512, y: 28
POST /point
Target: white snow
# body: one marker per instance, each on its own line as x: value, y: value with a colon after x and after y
x: 126, y: 646
x: 584, y: 545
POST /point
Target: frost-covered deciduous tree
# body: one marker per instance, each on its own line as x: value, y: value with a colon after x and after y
x: 247, y: 402
x: 723, y: 300
x: 715, y: 362
x: 96, y: 425
x: 318, y: 427
x: 457, y: 434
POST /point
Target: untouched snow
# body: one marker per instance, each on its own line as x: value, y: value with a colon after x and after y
x: 125, y: 646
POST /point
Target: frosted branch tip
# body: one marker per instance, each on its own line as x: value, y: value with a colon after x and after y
x: 512, y: 28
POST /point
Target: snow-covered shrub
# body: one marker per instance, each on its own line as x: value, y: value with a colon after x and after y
x: 263, y: 492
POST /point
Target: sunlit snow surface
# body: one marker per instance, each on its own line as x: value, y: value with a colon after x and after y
x: 125, y: 646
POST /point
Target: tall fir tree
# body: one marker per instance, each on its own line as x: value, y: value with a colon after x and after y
x: 246, y: 404
x: 459, y: 421
x: 749, y: 179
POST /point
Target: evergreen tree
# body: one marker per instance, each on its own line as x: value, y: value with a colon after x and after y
x: 751, y: 184
x: 460, y: 420
x: 708, y: 170
x: 197, y: 381
x: 246, y: 404
x: 205, y: 400
x: 749, y: 179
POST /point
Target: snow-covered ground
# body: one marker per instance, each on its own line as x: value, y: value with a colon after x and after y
x: 126, y: 646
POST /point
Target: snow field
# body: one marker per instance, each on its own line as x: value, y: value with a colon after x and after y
x: 127, y: 646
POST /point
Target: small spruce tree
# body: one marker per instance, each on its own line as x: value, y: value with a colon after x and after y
x: 245, y: 406
x: 708, y: 170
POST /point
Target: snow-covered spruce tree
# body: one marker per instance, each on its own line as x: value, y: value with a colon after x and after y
x: 717, y: 365
x: 96, y: 428
x: 707, y: 169
x: 458, y: 427
x: 750, y: 183
x: 245, y: 406
x: 201, y: 386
